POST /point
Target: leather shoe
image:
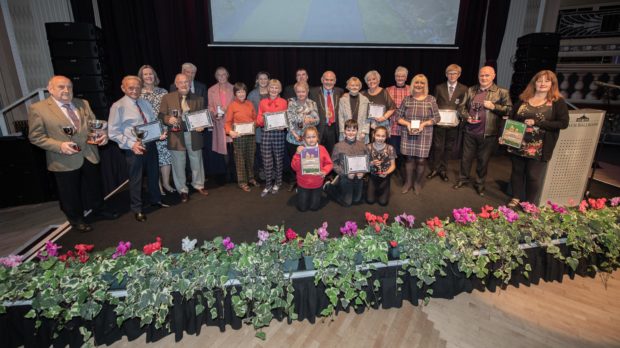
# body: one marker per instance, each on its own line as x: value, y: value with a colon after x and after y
x: 184, y: 197
x: 82, y: 227
x: 459, y: 184
x: 444, y: 176
x: 203, y: 192
x: 432, y: 174
x: 140, y: 217
x: 480, y: 190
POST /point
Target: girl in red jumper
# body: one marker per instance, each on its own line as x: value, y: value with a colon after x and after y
x: 309, y: 186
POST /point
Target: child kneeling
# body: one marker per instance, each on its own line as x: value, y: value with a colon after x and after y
x: 309, y: 185
x: 346, y: 189
x: 382, y: 164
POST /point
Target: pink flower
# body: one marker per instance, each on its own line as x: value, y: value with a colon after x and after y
x: 405, y: 219
x: 529, y: 208
x: 121, y: 249
x: 11, y: 261
x: 615, y: 201
x: 557, y: 208
x: 290, y: 234
x: 464, y: 215
x: 349, y: 229
x: 51, y: 250
x: 228, y: 244
x: 322, y: 231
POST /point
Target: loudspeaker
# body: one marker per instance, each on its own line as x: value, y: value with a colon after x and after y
x: 83, y: 84
x: 95, y: 99
x: 72, y: 31
x: 75, y: 49
x: 78, y: 66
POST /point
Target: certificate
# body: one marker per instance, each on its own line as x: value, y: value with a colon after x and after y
x: 448, y: 118
x: 244, y: 128
x: 414, y: 125
x: 356, y: 164
x: 310, y: 161
x: 513, y: 133
x: 152, y: 131
x: 198, y: 119
x: 275, y: 120
x: 376, y: 110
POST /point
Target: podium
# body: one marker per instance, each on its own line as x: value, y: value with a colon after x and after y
x: 568, y: 171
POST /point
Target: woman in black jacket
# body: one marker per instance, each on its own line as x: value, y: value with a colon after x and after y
x: 544, y: 112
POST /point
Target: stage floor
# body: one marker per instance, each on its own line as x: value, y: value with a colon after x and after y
x: 228, y: 211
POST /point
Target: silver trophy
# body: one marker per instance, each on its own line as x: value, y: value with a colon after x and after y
x: 97, y: 128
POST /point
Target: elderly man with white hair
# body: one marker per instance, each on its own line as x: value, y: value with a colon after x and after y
x: 195, y: 86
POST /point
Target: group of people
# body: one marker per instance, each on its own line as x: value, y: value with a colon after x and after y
x: 397, y: 128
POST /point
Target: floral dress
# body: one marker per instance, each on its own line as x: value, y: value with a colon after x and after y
x: 385, y: 154
x: 154, y: 98
x: 532, y: 144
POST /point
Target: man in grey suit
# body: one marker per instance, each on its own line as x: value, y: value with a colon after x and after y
x: 196, y: 87
x: 327, y: 99
x: 73, y: 161
x: 448, y: 96
x: 184, y: 140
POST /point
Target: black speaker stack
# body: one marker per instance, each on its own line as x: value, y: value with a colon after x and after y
x: 535, y: 52
x: 77, y: 52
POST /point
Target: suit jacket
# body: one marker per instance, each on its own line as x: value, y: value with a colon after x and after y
x: 442, y: 95
x: 345, y: 113
x: 316, y: 94
x: 176, y: 140
x: 200, y: 89
x: 46, y: 119
x: 498, y: 96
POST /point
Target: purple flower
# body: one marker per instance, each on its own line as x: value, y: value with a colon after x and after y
x: 51, y: 250
x: 405, y: 219
x: 615, y: 201
x: 11, y: 261
x: 349, y: 229
x: 322, y: 231
x: 464, y: 215
x: 508, y: 213
x: 529, y: 208
x: 228, y: 244
x: 557, y: 208
x: 121, y: 249
x: 262, y: 236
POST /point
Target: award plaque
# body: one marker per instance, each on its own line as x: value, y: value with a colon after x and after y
x: 414, y: 126
x: 448, y: 118
x: 275, y: 120
x: 244, y: 128
x: 310, y: 161
x: 198, y: 119
x: 513, y: 133
x: 356, y: 164
x: 151, y: 131
x: 375, y: 111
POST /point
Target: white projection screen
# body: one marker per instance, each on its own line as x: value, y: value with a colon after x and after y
x: 343, y: 23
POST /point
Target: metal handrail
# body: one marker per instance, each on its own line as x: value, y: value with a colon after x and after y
x: 4, y: 130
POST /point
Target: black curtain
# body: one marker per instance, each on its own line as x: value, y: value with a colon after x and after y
x: 496, y: 26
x: 166, y: 34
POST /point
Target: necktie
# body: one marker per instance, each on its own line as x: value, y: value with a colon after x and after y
x: 141, y: 113
x: 73, y: 116
x: 184, y: 105
x: 330, y: 109
x: 451, y: 91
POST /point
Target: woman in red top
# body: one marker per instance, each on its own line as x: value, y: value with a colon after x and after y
x: 241, y: 111
x: 309, y: 186
x: 273, y: 145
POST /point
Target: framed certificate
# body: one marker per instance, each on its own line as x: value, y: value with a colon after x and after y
x: 513, y: 133
x: 244, y: 128
x: 376, y: 110
x: 356, y: 164
x: 275, y: 120
x: 152, y: 131
x: 198, y: 119
x: 448, y: 118
x: 310, y: 161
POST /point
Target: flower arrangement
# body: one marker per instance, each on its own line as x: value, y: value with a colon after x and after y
x: 485, y: 244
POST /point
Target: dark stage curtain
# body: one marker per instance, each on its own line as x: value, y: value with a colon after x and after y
x: 166, y: 34
x: 310, y: 299
x: 496, y: 26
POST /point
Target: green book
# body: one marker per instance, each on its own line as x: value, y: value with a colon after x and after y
x: 513, y: 133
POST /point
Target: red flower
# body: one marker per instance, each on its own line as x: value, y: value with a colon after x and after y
x: 433, y: 223
x: 377, y: 228
x: 83, y: 257
x: 290, y: 234
x: 597, y: 203
x: 393, y: 244
x: 84, y: 247
x: 370, y: 217
x: 153, y: 247
x: 441, y: 233
x: 583, y: 206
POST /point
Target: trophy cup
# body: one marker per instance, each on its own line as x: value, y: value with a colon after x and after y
x: 301, y: 113
x: 476, y: 107
x: 70, y: 131
x: 139, y: 134
x: 97, y: 129
x: 176, y: 127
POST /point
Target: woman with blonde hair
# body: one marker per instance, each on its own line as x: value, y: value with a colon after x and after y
x: 354, y: 105
x: 544, y: 112
x: 417, y: 114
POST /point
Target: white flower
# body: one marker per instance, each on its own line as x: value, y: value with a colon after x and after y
x: 188, y: 245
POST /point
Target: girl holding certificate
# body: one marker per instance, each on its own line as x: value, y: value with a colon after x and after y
x: 544, y: 112
x: 381, y: 104
x: 382, y: 164
x: 273, y: 145
x: 240, y: 118
x: 311, y: 163
x: 417, y: 114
